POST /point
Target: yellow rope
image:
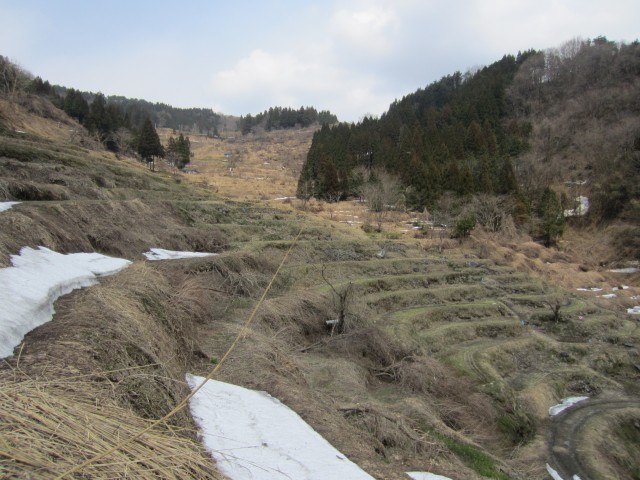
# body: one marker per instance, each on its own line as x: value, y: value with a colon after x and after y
x: 185, y: 400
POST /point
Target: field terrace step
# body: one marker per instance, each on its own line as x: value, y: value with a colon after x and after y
x: 388, y: 301
x: 438, y: 336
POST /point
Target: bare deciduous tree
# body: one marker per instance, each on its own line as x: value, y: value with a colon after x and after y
x: 12, y: 77
x: 490, y: 211
x: 341, y: 299
x: 382, y: 191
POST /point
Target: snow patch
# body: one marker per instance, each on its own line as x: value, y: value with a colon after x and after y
x: 426, y: 476
x: 590, y: 289
x: 634, y: 310
x: 36, y: 280
x: 566, y: 403
x: 625, y: 270
x: 252, y: 435
x: 581, y: 209
x: 609, y: 295
x: 161, y: 254
x: 556, y: 476
x: 7, y: 205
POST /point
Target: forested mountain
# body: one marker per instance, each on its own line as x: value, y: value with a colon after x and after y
x: 134, y: 112
x: 518, y: 126
x: 448, y: 136
x: 277, y: 118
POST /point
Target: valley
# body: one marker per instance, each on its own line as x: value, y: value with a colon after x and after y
x: 446, y: 358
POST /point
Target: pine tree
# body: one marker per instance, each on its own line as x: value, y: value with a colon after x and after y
x: 507, y: 180
x: 551, y: 218
x: 76, y: 106
x: 149, y: 145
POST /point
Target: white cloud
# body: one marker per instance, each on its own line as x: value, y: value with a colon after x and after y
x: 267, y: 71
x: 264, y: 79
x: 350, y: 56
x: 367, y: 30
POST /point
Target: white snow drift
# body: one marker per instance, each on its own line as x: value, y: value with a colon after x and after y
x: 426, y: 476
x: 161, y: 254
x: 556, y: 476
x: 582, y: 207
x: 566, y: 403
x: 38, y: 277
x: 253, y: 436
x: 7, y: 205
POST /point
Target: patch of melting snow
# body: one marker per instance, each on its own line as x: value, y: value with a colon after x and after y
x: 608, y: 295
x: 426, y: 476
x: 36, y: 280
x: 566, y: 403
x: 590, y: 289
x: 161, y: 254
x: 7, y: 205
x: 556, y: 476
x: 285, y: 198
x: 252, y: 435
x: 581, y: 209
x: 625, y: 270
x: 634, y: 310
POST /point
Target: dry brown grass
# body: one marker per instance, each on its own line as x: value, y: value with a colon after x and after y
x: 267, y: 165
x: 574, y: 265
x: 37, y: 115
x: 49, y: 426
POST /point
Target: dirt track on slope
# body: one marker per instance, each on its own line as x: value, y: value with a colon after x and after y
x: 565, y: 454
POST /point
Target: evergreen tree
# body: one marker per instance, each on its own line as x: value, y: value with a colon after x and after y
x: 507, y: 182
x: 149, y: 146
x: 551, y: 226
x: 179, y: 151
x: 75, y: 105
x: 98, y: 120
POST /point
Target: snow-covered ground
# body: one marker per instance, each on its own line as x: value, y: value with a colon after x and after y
x: 625, y: 270
x: 6, y: 205
x: 38, y: 277
x: 161, y: 254
x: 582, y: 207
x: 634, y: 310
x: 254, y: 436
x: 566, y: 403
x: 426, y: 476
x: 556, y: 476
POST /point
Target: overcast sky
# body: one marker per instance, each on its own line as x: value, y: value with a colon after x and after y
x: 353, y: 57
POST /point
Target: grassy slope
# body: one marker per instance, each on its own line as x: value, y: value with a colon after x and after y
x: 434, y: 371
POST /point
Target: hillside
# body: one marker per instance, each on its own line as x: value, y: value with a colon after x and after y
x: 446, y: 357
x: 540, y: 129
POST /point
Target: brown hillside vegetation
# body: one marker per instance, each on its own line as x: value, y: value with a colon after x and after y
x: 447, y: 359
x: 257, y: 166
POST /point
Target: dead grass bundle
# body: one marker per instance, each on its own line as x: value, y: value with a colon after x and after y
x: 243, y: 275
x: 49, y: 426
x: 26, y: 190
x: 391, y: 431
x: 372, y: 343
x: 299, y: 316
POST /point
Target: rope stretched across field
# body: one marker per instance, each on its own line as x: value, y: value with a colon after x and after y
x: 210, y: 375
